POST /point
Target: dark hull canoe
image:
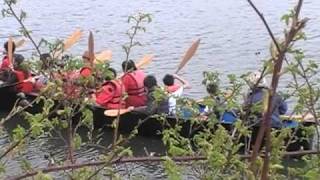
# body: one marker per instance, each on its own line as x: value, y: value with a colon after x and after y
x: 9, y: 98
x: 153, y: 127
x: 150, y: 126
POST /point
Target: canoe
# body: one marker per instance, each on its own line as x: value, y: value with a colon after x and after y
x: 9, y: 98
x: 152, y: 126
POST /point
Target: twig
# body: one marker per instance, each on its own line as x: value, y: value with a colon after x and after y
x: 139, y: 160
x: 26, y: 32
x: 265, y: 128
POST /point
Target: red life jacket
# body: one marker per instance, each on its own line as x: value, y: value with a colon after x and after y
x: 134, y: 86
x: 85, y: 71
x: 110, y: 95
x: 173, y: 88
x: 5, y: 63
x: 25, y: 87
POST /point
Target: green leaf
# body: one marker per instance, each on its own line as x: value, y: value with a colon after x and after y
x: 77, y: 141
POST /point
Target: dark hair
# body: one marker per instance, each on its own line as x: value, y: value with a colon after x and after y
x: 46, y: 60
x: 18, y: 59
x: 168, y: 80
x: 6, y: 46
x: 114, y: 74
x: 45, y: 57
x: 212, y: 89
x: 128, y: 66
x: 150, y: 81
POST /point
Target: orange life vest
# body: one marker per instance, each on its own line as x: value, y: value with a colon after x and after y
x: 110, y: 95
x: 5, y: 63
x: 137, y: 89
x: 173, y: 88
x: 133, y: 83
x: 25, y: 87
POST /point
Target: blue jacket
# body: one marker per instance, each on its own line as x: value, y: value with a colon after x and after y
x: 279, y: 107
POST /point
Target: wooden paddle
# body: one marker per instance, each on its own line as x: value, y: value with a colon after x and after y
x: 308, y: 117
x: 187, y: 56
x: 116, y: 112
x: 91, y: 48
x: 147, y: 59
x: 70, y: 41
x: 10, y: 51
x: 103, y: 56
x: 20, y: 43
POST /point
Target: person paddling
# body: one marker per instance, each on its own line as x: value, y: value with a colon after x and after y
x: 111, y: 92
x: 152, y: 106
x: 5, y: 61
x: 18, y: 75
x: 133, y: 81
x: 174, y: 89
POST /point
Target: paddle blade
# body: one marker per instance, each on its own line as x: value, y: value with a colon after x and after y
x: 72, y: 39
x: 115, y: 112
x: 91, y: 47
x: 20, y: 43
x: 103, y: 56
x: 308, y: 117
x: 187, y: 56
x: 10, y: 50
x: 147, y: 59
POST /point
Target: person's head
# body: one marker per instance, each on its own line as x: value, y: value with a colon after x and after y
x: 18, y: 60
x: 45, y: 59
x: 256, y: 79
x: 212, y: 89
x: 6, y: 46
x: 150, y: 82
x: 112, y: 75
x: 85, y: 56
x: 128, y: 66
x: 168, y: 80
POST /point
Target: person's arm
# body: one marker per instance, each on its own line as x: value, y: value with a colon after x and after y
x: 283, y: 107
x: 184, y: 82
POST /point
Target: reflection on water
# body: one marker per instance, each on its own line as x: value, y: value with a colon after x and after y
x: 231, y: 35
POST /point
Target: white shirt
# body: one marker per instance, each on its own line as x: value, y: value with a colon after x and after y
x: 173, y: 99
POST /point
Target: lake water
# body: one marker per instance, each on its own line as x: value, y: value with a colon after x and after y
x: 230, y: 31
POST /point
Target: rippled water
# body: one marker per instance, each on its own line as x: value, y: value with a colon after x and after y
x: 230, y: 31
x: 231, y: 35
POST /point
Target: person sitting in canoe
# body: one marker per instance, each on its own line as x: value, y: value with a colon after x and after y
x: 154, y: 105
x: 86, y: 70
x: 174, y: 89
x: 215, y: 101
x: 111, y: 92
x: 133, y: 81
x: 19, y: 75
x: 5, y: 61
x: 255, y: 97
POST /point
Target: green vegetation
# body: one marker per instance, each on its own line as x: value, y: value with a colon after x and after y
x: 213, y: 152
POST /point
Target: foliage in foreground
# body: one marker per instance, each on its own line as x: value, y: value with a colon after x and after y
x: 217, y: 148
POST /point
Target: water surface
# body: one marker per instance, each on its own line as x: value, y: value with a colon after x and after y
x: 231, y: 35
